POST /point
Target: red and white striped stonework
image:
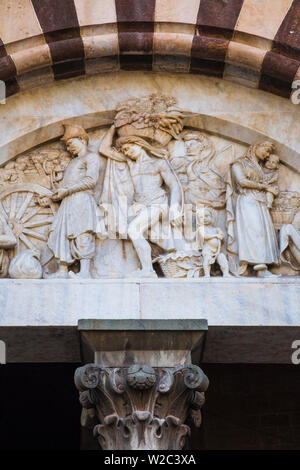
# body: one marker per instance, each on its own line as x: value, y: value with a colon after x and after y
x: 252, y: 42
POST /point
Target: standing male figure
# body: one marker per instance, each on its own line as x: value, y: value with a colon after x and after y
x: 72, y: 234
x: 149, y: 174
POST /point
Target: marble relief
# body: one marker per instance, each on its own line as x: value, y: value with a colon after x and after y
x: 149, y: 197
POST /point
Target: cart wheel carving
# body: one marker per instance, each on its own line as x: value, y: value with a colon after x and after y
x: 27, y: 218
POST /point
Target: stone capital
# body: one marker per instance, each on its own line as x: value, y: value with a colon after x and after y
x: 142, y: 385
x: 140, y: 407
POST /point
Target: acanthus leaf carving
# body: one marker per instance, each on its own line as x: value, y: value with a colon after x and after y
x: 145, y: 414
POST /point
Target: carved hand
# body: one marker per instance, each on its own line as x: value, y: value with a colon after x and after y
x: 44, y: 201
x: 262, y: 186
x: 59, y: 194
x: 273, y: 190
x: 176, y: 216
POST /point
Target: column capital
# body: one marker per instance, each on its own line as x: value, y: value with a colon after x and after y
x: 140, y: 407
x: 143, y: 384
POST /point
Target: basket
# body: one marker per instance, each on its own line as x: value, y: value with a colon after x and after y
x: 157, y: 135
x: 285, y: 207
x: 281, y: 217
x: 179, y: 265
x: 171, y: 269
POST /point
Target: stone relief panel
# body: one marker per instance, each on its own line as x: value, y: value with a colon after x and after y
x: 149, y: 197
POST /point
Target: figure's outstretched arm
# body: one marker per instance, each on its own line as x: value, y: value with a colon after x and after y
x: 107, y: 149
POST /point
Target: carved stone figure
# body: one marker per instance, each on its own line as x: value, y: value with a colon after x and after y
x: 7, y: 238
x: 271, y: 170
x: 251, y: 234
x: 140, y: 407
x: 72, y: 234
x: 142, y: 207
x: 44, y: 167
x: 7, y: 241
x: 289, y: 239
x: 194, y: 164
x: 52, y: 164
x: 149, y: 171
x: 14, y: 172
x: 210, y: 240
x: 205, y: 186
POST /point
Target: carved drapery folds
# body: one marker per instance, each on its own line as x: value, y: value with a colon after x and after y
x: 150, y: 196
x: 140, y: 407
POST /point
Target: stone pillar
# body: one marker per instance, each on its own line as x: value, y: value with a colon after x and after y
x: 142, y: 406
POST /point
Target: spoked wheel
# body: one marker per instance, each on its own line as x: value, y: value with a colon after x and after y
x: 29, y: 221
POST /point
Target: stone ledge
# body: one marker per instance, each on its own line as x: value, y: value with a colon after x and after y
x: 249, y: 320
x: 223, y: 302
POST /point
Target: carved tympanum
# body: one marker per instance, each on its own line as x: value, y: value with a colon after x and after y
x: 140, y: 407
x: 134, y: 199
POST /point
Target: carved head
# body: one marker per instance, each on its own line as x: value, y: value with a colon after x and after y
x: 133, y: 147
x: 132, y: 151
x: 195, y: 143
x: 205, y: 216
x: 21, y: 163
x: 75, y: 138
x: 272, y: 162
x: 76, y: 145
x: 263, y: 150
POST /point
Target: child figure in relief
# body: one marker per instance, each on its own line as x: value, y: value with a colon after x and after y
x: 271, y: 170
x: 209, y: 240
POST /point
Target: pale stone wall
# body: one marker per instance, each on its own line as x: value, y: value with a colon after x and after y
x: 36, y: 116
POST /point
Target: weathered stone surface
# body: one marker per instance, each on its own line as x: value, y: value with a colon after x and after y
x: 164, y: 140
x: 157, y: 343
x: 243, y: 302
x: 216, y: 101
x: 144, y: 408
x: 249, y: 320
x: 142, y: 385
x: 84, y: 204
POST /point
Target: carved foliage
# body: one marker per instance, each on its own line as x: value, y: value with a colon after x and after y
x: 140, y: 407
